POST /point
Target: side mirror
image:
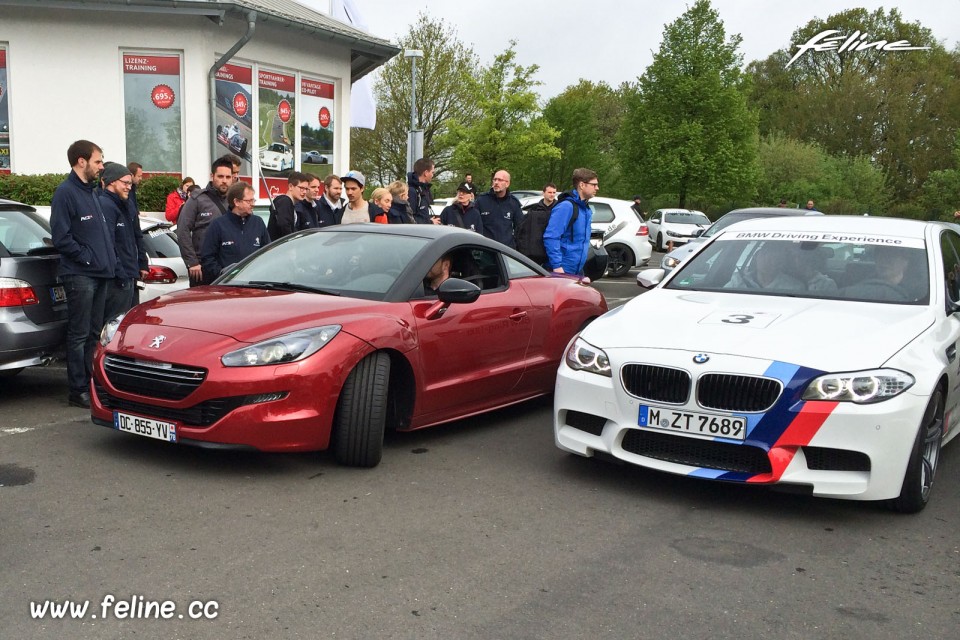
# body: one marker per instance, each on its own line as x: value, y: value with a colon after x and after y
x: 457, y: 291
x: 649, y: 278
x: 699, y: 233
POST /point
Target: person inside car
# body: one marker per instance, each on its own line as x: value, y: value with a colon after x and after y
x: 766, y: 271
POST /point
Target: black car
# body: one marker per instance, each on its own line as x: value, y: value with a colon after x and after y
x: 33, y: 303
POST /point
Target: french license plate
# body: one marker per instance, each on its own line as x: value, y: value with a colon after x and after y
x: 712, y: 425
x: 146, y: 427
x: 58, y: 293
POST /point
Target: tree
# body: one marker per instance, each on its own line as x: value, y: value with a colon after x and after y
x: 688, y: 130
x: 900, y: 109
x: 588, y: 117
x: 508, y: 133
x: 445, y: 91
x: 941, y: 192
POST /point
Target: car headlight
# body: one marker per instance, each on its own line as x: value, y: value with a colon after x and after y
x: 860, y: 387
x: 110, y: 329
x: 669, y: 262
x: 287, y: 348
x: 583, y: 356
x: 674, y: 234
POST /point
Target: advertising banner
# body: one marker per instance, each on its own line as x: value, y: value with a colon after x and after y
x: 234, y: 87
x: 153, y: 111
x: 277, y: 94
x: 4, y: 115
x: 316, y: 130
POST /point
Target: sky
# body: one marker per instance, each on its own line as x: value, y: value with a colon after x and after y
x: 614, y: 40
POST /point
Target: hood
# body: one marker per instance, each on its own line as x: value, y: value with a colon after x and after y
x: 250, y: 315
x: 808, y: 332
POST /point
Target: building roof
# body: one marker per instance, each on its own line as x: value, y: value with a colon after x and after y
x: 367, y: 52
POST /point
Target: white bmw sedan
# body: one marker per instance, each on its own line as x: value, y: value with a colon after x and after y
x: 816, y: 352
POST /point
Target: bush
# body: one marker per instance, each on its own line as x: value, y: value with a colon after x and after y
x: 38, y: 189
x: 30, y: 189
x: 152, y: 192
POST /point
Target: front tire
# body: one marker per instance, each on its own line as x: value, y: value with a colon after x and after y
x: 620, y: 261
x: 361, y: 413
x: 660, y: 245
x: 924, y: 459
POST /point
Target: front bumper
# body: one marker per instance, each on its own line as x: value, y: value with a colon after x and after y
x: 840, y: 450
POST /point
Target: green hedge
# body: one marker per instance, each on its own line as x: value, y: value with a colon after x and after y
x: 38, y: 189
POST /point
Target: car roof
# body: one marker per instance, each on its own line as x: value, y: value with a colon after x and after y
x: 13, y: 205
x: 902, y: 227
x: 760, y: 212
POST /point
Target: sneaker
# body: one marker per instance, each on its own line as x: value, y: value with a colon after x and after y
x: 81, y: 399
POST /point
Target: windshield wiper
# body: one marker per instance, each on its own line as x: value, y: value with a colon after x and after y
x: 287, y: 286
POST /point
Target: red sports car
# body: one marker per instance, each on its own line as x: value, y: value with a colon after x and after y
x: 330, y: 336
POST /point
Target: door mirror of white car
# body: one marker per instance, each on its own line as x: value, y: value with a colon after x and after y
x: 649, y: 278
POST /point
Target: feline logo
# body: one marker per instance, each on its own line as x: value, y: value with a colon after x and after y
x: 826, y: 41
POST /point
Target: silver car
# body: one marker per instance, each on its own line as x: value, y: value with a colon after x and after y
x: 33, y: 303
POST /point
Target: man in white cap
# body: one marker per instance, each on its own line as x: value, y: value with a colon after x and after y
x: 357, y: 209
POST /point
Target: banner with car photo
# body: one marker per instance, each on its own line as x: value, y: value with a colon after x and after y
x: 4, y: 114
x: 276, y: 93
x: 317, y: 126
x: 153, y: 111
x: 234, y: 114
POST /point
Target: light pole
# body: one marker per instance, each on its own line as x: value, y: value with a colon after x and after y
x: 415, y: 139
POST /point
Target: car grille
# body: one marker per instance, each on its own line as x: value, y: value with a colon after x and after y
x: 203, y: 414
x: 153, y: 379
x: 660, y: 384
x: 737, y: 393
x: 696, y: 453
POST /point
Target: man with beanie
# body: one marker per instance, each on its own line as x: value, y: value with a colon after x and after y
x: 88, y: 262
x: 132, y: 257
x: 197, y: 214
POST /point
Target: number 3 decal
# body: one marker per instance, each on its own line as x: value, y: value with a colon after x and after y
x: 738, y: 318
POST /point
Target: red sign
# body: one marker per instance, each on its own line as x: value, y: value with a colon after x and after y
x: 240, y: 104
x: 324, y: 117
x: 273, y: 80
x: 276, y: 186
x: 157, y: 65
x: 3, y: 58
x: 235, y: 73
x: 162, y: 96
x: 316, y: 88
x: 284, y: 111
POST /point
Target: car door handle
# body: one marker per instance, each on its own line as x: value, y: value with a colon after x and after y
x: 518, y: 316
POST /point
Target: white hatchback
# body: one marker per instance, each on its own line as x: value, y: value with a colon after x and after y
x: 675, y: 226
x: 814, y: 352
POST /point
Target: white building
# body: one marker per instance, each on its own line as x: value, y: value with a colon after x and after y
x: 155, y: 81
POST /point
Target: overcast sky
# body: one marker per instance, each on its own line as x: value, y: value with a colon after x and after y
x: 617, y: 38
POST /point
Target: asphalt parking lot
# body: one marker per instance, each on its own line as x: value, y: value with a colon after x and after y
x: 476, y: 529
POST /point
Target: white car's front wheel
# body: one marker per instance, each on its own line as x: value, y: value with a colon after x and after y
x: 924, y: 459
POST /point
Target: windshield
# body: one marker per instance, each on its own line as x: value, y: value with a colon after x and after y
x: 22, y: 233
x: 360, y: 265
x: 873, y: 269
x: 685, y: 217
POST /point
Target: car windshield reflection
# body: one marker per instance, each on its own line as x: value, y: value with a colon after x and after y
x: 877, y: 270
x: 361, y: 265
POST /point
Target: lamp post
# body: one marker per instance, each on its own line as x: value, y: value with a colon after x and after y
x: 415, y: 139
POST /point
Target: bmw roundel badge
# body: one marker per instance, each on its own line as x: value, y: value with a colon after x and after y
x: 700, y: 358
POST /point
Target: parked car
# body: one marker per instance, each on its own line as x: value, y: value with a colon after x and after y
x: 813, y: 352
x: 676, y: 226
x: 520, y: 194
x: 276, y: 156
x: 231, y: 137
x: 681, y: 253
x: 167, y: 271
x: 623, y: 230
x: 313, y: 157
x: 360, y: 346
x: 439, y: 205
x: 33, y: 302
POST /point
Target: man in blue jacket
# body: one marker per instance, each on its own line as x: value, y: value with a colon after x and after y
x: 420, y: 196
x: 131, y: 254
x: 88, y: 262
x: 234, y: 235
x: 500, y: 212
x: 567, y: 237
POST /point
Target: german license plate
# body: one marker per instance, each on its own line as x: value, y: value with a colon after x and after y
x: 58, y: 293
x: 711, y: 425
x: 146, y: 427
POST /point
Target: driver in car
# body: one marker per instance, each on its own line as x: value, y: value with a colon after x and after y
x: 439, y: 272
x: 766, y: 271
